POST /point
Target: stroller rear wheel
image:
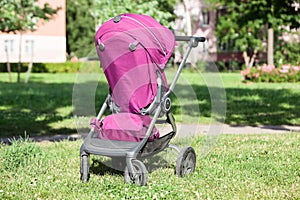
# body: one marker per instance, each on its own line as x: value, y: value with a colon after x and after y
x: 141, y: 174
x: 84, y: 168
x: 186, y: 162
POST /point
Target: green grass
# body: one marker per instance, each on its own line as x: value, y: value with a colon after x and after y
x: 44, y: 105
x: 239, y: 167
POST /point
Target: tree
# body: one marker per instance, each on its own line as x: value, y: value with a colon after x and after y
x: 252, y: 23
x: 80, y: 27
x: 85, y: 16
x: 161, y: 10
x: 20, y: 16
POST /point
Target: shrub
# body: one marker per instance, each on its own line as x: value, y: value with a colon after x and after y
x: 67, y: 67
x: 228, y: 66
x: 266, y: 73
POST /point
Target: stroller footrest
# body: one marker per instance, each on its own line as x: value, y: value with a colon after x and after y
x: 109, y: 147
x: 157, y: 145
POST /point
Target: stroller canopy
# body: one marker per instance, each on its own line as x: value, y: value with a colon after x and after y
x: 132, y: 49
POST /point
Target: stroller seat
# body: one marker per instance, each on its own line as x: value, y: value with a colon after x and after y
x: 124, y: 127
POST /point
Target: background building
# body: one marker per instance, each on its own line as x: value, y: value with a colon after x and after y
x: 194, y: 17
x: 46, y: 44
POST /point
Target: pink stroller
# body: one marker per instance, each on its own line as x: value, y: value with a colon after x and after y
x: 133, y: 51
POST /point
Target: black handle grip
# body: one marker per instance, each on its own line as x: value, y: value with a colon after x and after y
x: 188, y: 38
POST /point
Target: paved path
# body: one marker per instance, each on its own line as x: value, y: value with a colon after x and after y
x: 228, y: 129
x: 189, y: 130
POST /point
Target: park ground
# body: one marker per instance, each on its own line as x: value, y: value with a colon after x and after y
x: 263, y: 164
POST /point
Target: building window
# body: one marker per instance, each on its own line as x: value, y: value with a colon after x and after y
x: 9, y: 46
x: 205, y: 17
x: 29, y: 44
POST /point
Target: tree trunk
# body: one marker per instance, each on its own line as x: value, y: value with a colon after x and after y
x: 188, y: 18
x: 20, y: 57
x: 270, y: 46
x: 246, y: 59
x: 188, y: 23
x: 9, y: 71
x: 28, y: 72
x: 30, y: 64
x: 249, y: 60
x: 8, y: 64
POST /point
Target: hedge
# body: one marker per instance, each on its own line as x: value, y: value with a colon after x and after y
x: 271, y: 74
x: 67, y: 67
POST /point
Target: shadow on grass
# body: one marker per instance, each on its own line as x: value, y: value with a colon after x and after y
x: 100, y: 167
x: 103, y: 165
x: 272, y: 107
x: 39, y: 108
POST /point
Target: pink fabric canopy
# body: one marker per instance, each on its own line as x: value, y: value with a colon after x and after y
x: 132, y: 48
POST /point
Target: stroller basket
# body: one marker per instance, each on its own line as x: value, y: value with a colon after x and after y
x: 133, y: 51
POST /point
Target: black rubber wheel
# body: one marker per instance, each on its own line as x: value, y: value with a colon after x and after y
x: 140, y: 171
x: 118, y: 163
x: 84, y: 168
x: 186, y: 162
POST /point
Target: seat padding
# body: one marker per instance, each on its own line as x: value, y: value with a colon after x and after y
x: 124, y: 127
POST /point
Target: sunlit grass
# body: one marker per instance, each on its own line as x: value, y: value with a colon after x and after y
x: 238, y: 167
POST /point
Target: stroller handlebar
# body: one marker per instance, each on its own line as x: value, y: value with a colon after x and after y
x: 189, y: 38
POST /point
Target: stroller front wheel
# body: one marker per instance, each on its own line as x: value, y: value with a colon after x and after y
x: 141, y: 174
x: 186, y: 162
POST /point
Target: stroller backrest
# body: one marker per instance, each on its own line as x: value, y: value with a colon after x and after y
x: 132, y: 49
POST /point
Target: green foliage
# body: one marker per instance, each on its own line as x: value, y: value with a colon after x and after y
x: 19, y: 154
x: 288, y: 51
x: 230, y: 66
x: 233, y: 26
x: 161, y: 10
x: 246, y: 22
x: 80, y: 27
x: 66, y: 67
x: 23, y: 15
x: 83, y: 17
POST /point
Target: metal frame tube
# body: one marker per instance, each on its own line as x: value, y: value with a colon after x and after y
x: 186, y: 55
x: 188, y: 38
x: 193, y: 42
x: 103, y: 108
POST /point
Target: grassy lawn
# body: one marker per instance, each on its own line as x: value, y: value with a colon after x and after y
x: 239, y: 167
x: 44, y: 105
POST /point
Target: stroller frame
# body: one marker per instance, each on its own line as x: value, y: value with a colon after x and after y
x: 130, y: 152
